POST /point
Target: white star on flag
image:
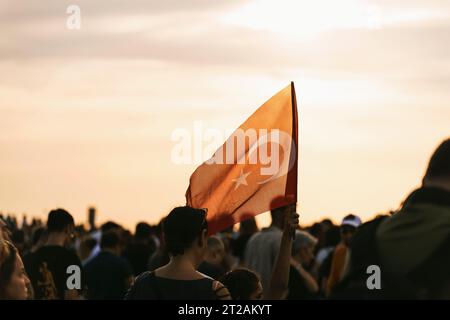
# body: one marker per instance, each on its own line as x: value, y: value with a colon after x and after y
x: 241, y: 179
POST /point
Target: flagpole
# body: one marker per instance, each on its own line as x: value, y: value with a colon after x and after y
x: 295, y: 139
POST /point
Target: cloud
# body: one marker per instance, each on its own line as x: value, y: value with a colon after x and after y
x: 35, y: 9
x: 191, y: 31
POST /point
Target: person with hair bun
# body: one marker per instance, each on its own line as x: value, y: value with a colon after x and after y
x: 185, y: 236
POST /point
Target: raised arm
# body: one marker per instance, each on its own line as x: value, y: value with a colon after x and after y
x: 279, y: 282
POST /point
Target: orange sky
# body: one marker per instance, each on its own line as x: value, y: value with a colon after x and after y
x: 86, y: 115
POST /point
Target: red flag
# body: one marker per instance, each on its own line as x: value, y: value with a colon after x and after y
x: 255, y: 170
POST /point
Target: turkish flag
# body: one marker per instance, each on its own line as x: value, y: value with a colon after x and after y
x: 255, y: 170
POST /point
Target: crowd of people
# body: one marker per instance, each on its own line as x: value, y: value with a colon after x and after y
x: 177, y: 259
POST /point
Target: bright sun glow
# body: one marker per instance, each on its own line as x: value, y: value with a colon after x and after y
x: 304, y: 18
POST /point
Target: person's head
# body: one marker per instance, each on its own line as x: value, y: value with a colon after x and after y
x: 281, y: 210
x: 243, y: 284
x: 438, y: 171
x: 279, y: 215
x: 126, y: 238
x: 248, y: 226
x: 110, y: 241
x: 348, y: 228
x: 80, y: 230
x: 185, y: 232
x: 143, y: 231
x: 61, y: 223
x: 332, y: 236
x: 326, y: 224
x: 215, y: 251
x: 39, y: 237
x: 4, y: 230
x: 110, y: 226
x: 86, y: 246
x: 303, y: 247
x: 316, y: 230
x: 13, y: 280
x: 18, y: 239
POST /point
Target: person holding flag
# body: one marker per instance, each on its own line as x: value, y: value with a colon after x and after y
x: 253, y: 172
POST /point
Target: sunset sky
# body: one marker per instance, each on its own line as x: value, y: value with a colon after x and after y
x: 86, y: 115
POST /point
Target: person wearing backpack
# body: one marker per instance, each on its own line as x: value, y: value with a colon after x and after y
x: 411, y: 248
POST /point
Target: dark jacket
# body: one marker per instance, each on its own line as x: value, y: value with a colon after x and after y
x: 411, y: 248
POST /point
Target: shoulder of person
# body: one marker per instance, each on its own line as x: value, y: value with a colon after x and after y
x: 145, y: 276
x: 220, y: 291
x: 254, y: 236
x: 44, y: 252
x: 205, y: 276
x: 141, y: 285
